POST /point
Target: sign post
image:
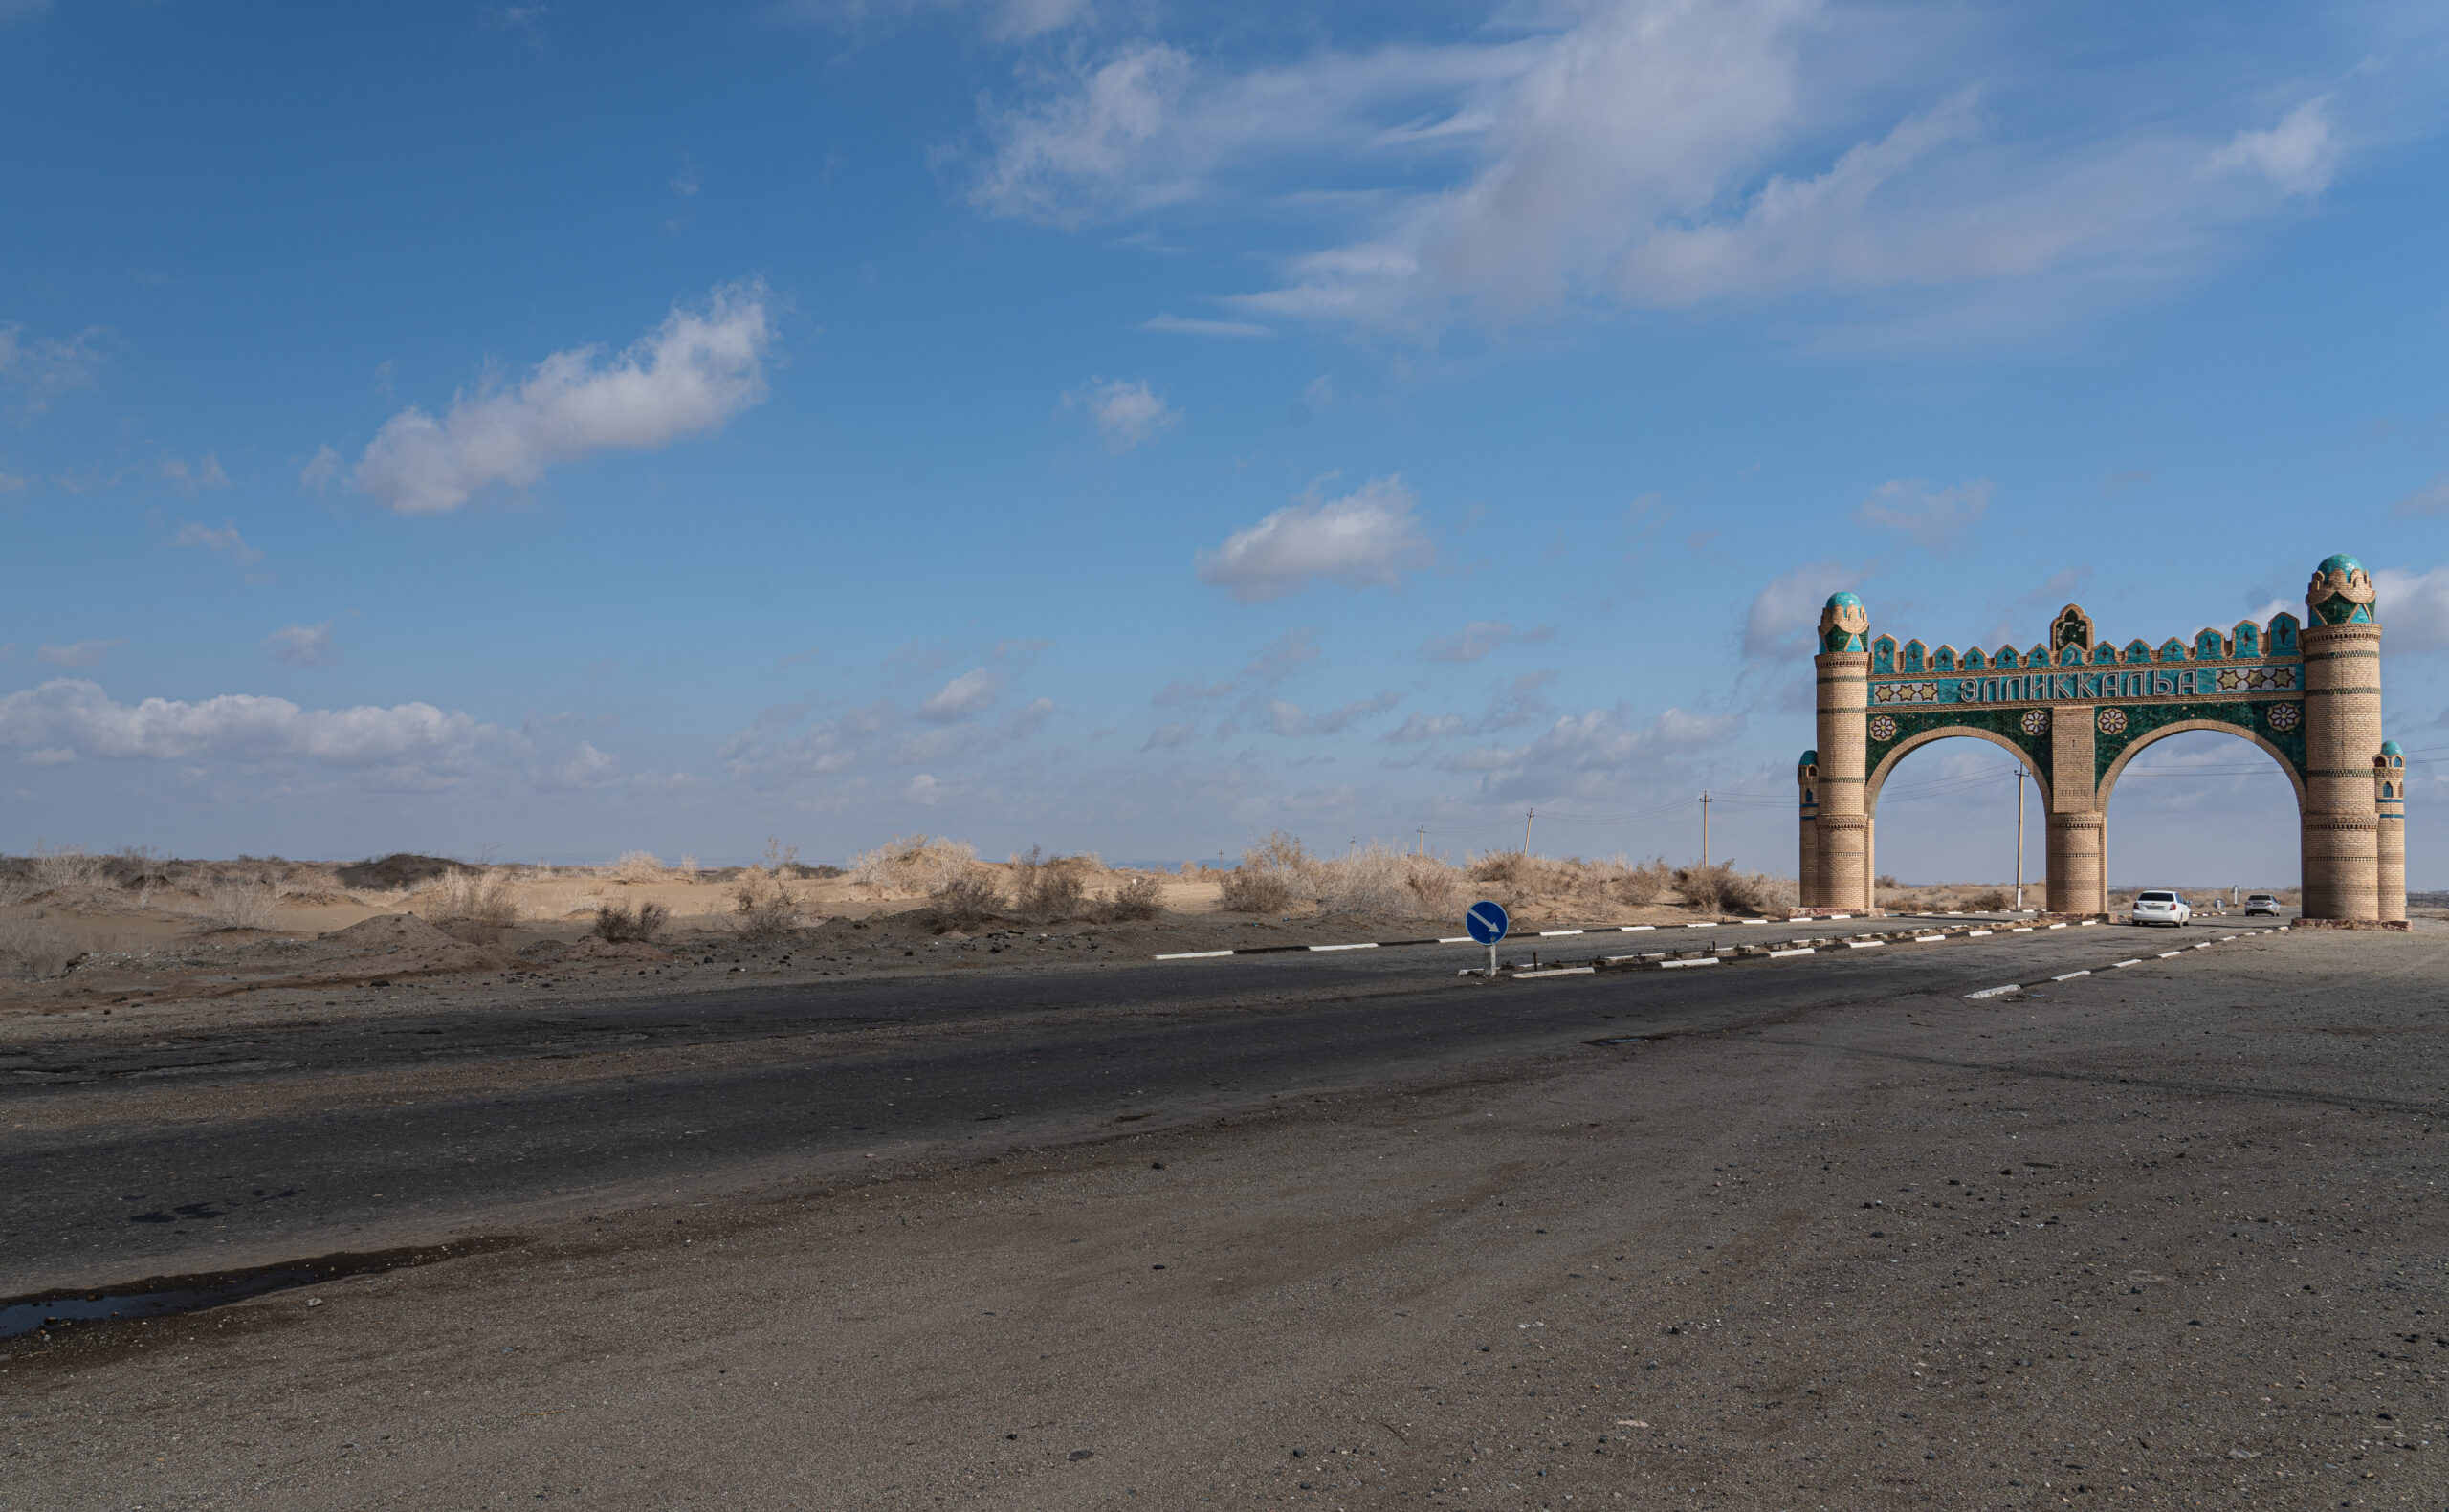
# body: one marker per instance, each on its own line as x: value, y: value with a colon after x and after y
x: 1487, y: 923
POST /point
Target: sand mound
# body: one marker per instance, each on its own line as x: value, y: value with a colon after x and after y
x: 411, y: 946
x: 385, y: 931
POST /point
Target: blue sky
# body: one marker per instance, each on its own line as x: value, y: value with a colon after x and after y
x: 1139, y: 427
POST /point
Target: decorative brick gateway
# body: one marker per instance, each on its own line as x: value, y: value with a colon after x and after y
x: 2077, y: 709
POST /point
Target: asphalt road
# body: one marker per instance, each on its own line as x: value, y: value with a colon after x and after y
x: 165, y: 1146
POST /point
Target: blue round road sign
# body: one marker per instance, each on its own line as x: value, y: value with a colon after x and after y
x: 1486, y: 921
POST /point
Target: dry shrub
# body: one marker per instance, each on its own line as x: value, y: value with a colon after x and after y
x: 471, y: 904
x: 1719, y: 889
x: 240, y: 905
x: 1650, y: 882
x: 617, y: 922
x: 69, y: 866
x: 1141, y: 897
x: 1382, y: 879
x: 1998, y: 900
x: 909, y: 864
x: 959, y: 902
x: 1050, y: 889
x: 763, y: 905
x: 1272, y: 873
x: 635, y: 865
x: 37, y: 948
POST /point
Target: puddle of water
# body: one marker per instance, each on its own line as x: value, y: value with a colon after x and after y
x: 162, y: 1296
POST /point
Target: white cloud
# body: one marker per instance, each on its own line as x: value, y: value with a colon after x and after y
x: 1931, y: 520
x: 690, y: 375
x: 964, y: 695
x: 10, y: 483
x: 2299, y: 154
x: 1165, y: 737
x: 1128, y: 414
x: 76, y: 715
x: 1184, y: 325
x: 2412, y: 608
x: 1367, y: 540
x: 2432, y: 498
x: 303, y: 644
x: 922, y: 789
x: 1787, y: 609
x: 80, y: 653
x: 1660, y: 154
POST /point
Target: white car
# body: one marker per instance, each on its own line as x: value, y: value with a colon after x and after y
x: 2162, y: 907
x: 2261, y: 903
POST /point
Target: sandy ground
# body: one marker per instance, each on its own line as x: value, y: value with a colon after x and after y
x: 2167, y: 1237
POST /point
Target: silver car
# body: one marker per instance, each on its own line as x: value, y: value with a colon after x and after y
x: 2162, y: 907
x: 2261, y: 903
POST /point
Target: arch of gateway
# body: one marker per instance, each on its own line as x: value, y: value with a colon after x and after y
x: 2077, y: 709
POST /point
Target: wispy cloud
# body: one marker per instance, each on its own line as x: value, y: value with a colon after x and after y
x: 964, y: 695
x: 1661, y: 154
x: 1931, y: 518
x: 43, y: 368
x: 1286, y: 654
x: 1478, y: 639
x: 2431, y: 498
x: 1783, y: 614
x: 688, y: 375
x: 2412, y: 608
x: 80, y: 653
x: 1368, y: 539
x: 191, y: 478
x: 226, y: 544
x: 1183, y: 325
x: 303, y: 644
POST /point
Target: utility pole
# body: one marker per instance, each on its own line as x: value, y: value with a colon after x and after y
x: 1527, y: 815
x: 1424, y: 840
x: 2019, y: 839
x: 1705, y: 829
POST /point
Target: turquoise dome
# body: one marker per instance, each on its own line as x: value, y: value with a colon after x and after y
x: 2341, y: 562
x: 2391, y: 748
x: 1847, y: 601
x: 1812, y: 758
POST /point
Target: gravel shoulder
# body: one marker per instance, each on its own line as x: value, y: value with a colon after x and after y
x: 2170, y: 1235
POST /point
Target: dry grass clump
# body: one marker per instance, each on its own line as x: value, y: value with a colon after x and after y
x: 37, y: 948
x: 471, y: 904
x: 960, y: 901
x: 236, y: 904
x: 1049, y: 889
x: 635, y: 865
x: 69, y: 866
x: 1719, y: 889
x: 913, y: 864
x: 1272, y: 873
x: 1571, y: 883
x: 1381, y: 878
x: 763, y: 905
x: 617, y: 922
x: 1140, y: 897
